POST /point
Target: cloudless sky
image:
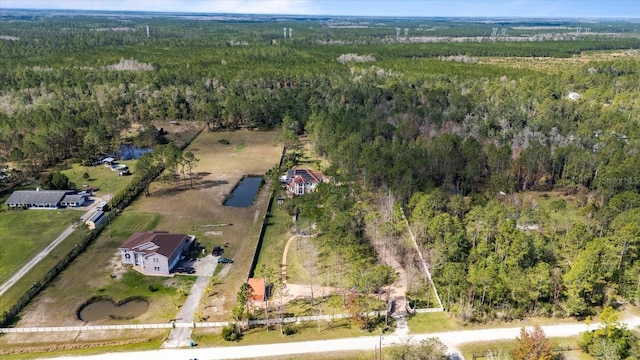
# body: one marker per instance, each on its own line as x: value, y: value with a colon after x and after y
x: 426, y: 8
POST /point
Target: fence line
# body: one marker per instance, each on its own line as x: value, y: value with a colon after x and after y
x: 172, y: 325
x: 425, y: 268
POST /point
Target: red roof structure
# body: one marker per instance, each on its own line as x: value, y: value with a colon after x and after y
x: 258, y: 288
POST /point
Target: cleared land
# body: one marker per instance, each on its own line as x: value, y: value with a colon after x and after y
x: 27, y: 232
x: 176, y: 208
x: 200, y: 210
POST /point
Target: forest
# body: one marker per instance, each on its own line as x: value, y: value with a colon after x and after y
x: 458, y: 139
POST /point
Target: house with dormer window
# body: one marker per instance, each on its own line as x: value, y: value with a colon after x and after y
x: 155, y: 252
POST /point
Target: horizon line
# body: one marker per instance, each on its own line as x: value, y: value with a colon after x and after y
x: 331, y: 15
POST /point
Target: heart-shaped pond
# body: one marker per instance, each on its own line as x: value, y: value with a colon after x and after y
x: 99, y: 309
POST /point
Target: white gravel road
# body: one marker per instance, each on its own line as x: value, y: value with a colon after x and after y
x: 452, y: 339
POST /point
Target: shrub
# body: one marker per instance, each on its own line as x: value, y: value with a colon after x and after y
x: 224, y: 141
x: 290, y: 330
x: 153, y: 287
x: 231, y: 332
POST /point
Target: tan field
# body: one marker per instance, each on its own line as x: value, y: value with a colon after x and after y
x: 175, y: 207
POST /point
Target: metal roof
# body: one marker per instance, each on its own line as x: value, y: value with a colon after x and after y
x: 95, y: 216
x: 34, y: 197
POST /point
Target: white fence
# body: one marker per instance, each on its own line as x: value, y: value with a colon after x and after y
x: 171, y: 325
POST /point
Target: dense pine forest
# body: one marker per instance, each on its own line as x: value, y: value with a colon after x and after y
x: 459, y: 120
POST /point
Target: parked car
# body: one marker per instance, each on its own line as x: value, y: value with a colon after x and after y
x: 186, y: 269
x: 225, y: 261
x: 217, y: 251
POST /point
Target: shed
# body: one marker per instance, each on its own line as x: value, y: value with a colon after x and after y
x: 108, y: 161
x: 258, y: 288
x: 95, y: 220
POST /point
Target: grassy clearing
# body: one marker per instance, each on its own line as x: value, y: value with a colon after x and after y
x: 277, y: 232
x: 432, y: 322
x: 27, y: 232
x: 150, y: 342
x: 442, y: 321
x: 99, y: 176
x: 304, y: 331
x: 37, y: 272
x: 550, y: 64
x: 332, y: 355
x: 503, y: 347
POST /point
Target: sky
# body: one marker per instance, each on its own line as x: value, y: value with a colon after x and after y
x: 426, y: 8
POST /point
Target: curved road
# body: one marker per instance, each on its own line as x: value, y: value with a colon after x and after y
x: 452, y: 339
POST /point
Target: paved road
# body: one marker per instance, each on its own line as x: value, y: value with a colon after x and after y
x: 45, y: 252
x: 181, y: 336
x: 452, y: 339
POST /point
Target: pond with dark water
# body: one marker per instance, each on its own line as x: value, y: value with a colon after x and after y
x: 129, y: 152
x: 245, y: 192
x: 107, y: 309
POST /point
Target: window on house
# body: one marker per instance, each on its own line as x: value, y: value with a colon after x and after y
x: 155, y: 260
x: 156, y: 268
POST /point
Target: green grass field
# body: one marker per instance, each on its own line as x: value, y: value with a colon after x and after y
x: 24, y: 233
x: 442, y: 321
x: 304, y: 331
x: 277, y: 232
x: 568, y: 347
x: 99, y: 176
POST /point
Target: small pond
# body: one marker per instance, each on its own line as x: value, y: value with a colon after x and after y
x: 245, y: 192
x: 107, y: 309
x: 128, y: 152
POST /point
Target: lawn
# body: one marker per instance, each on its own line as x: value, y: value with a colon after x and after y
x: 443, y: 321
x: 99, y: 176
x: 277, y: 232
x: 24, y: 233
x: 566, y: 346
x: 304, y: 331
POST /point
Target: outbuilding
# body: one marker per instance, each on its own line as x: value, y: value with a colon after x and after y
x: 95, y: 220
x: 37, y: 199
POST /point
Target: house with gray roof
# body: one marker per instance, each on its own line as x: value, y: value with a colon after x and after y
x: 155, y: 252
x: 37, y: 199
x: 74, y: 200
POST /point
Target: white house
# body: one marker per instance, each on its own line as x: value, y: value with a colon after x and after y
x: 37, y: 199
x: 155, y: 252
x: 302, y: 181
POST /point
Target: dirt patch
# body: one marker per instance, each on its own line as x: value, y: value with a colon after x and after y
x: 116, y: 266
